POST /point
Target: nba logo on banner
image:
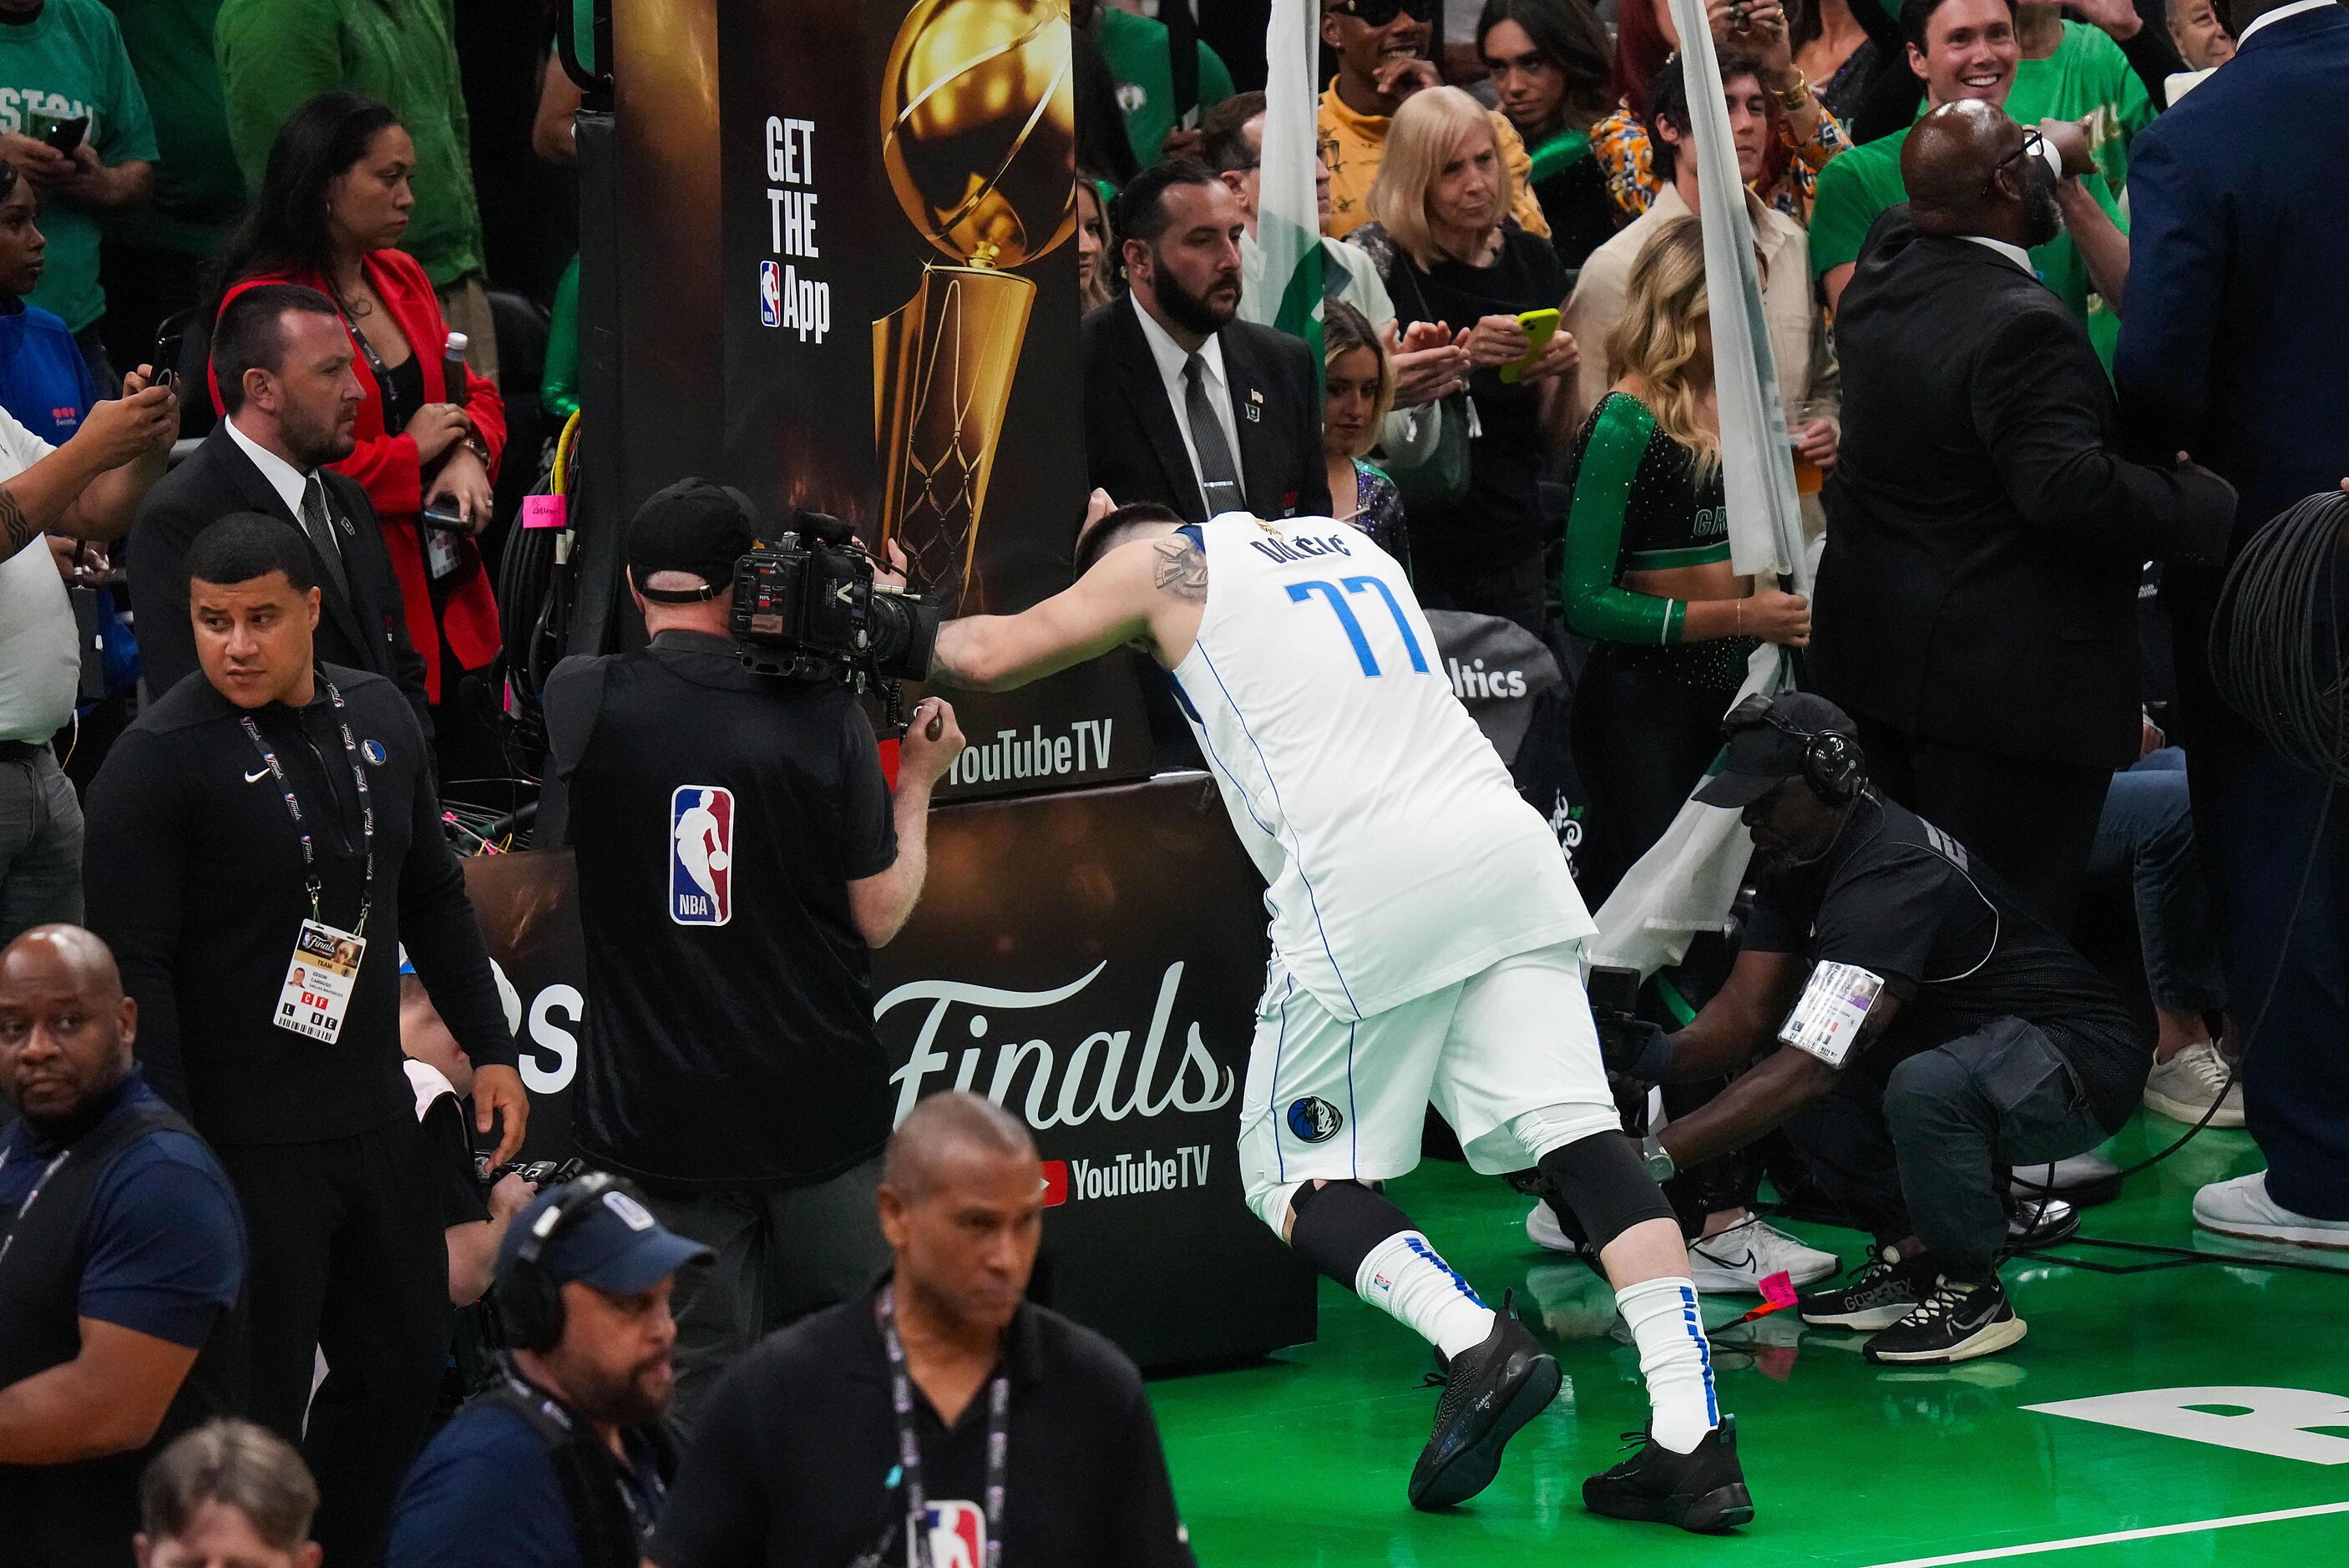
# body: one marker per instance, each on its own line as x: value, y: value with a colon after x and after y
x: 771, y: 294
x: 701, y: 855
x: 957, y: 1535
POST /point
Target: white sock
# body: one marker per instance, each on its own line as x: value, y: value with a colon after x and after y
x: 1674, y: 1359
x: 1406, y: 1278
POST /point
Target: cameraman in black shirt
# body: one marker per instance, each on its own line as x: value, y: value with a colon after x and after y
x: 1929, y: 1028
x: 739, y: 856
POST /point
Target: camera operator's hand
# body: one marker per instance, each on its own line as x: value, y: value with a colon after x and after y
x: 499, y: 1088
x: 932, y: 740
x: 511, y: 1196
x: 1632, y: 1046
x: 890, y: 572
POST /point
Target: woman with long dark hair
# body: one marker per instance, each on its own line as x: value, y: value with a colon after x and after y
x: 332, y: 206
x: 1548, y: 64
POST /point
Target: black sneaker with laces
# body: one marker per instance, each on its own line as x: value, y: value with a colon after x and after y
x: 1488, y: 1394
x: 1886, y: 1289
x: 1704, y: 1489
x: 1959, y: 1320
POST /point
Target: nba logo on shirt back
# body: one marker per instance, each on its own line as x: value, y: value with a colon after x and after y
x: 771, y: 294
x: 957, y: 1535
x: 701, y: 855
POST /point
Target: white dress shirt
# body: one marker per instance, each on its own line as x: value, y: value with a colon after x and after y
x: 2278, y: 15
x: 1171, y: 356
x: 2015, y: 254
x: 287, y: 480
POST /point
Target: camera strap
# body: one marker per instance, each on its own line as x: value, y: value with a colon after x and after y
x: 909, y: 1448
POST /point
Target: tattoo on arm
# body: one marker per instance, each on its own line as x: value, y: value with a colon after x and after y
x: 16, y: 530
x: 1182, y: 569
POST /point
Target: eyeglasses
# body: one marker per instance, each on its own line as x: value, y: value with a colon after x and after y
x: 1381, y: 12
x: 2031, y: 143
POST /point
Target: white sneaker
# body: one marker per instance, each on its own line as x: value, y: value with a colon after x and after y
x: 2242, y: 1207
x: 2182, y: 1088
x: 1543, y: 1230
x: 1741, y: 1257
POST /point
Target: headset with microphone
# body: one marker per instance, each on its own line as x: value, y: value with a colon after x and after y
x: 1832, y: 763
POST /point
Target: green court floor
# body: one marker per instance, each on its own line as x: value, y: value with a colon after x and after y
x: 1302, y: 1460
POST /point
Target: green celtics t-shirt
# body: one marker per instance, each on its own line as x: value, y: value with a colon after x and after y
x: 1134, y: 48
x: 66, y: 62
x: 198, y: 190
x: 2087, y: 79
x: 1859, y: 184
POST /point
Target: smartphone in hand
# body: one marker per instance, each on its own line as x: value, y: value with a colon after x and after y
x: 1541, y: 325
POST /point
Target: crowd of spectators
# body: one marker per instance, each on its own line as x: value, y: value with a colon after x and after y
x: 1979, y: 503
x: 2045, y: 329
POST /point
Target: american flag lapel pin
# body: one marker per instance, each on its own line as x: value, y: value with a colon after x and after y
x: 1255, y: 406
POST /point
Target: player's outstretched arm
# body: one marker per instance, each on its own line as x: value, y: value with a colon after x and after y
x: 1111, y: 606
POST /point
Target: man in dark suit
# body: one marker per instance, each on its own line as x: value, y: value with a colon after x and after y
x: 284, y: 364
x: 2231, y: 349
x: 1977, y: 601
x: 1183, y: 405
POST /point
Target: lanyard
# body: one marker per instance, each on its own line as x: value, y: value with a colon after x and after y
x: 909, y: 1451
x: 394, y: 417
x: 293, y: 806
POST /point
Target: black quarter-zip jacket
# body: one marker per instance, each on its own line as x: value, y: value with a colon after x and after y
x: 195, y: 876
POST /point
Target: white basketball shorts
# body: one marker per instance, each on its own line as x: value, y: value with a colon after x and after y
x: 1328, y: 1098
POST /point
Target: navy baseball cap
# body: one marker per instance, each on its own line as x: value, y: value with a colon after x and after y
x: 613, y: 1243
x: 1766, y: 745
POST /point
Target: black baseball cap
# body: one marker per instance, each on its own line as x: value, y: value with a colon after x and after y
x: 613, y: 1243
x: 694, y: 525
x: 1766, y: 745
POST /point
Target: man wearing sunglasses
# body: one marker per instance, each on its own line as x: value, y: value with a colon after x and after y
x: 1977, y: 603
x: 1381, y: 48
x: 1968, y: 50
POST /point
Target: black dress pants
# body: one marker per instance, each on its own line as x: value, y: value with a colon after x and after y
x: 348, y: 1260
x: 2033, y: 823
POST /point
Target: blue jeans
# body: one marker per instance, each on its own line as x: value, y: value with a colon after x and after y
x: 2148, y: 833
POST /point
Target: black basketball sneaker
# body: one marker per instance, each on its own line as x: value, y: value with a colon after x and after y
x: 1886, y: 1289
x: 1959, y: 1320
x: 1702, y: 1490
x: 1488, y: 1394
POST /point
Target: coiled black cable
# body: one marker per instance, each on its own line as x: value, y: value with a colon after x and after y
x: 2275, y: 658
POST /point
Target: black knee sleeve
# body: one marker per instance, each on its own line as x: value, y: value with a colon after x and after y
x: 1605, y: 1181
x: 1341, y: 1224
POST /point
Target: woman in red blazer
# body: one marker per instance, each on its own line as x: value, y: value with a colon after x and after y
x: 333, y: 204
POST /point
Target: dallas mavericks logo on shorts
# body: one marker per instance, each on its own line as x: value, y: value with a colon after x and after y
x: 771, y: 294
x: 957, y: 1535
x: 1314, y: 1121
x: 701, y: 855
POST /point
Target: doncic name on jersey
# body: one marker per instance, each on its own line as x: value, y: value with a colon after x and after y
x: 701, y: 854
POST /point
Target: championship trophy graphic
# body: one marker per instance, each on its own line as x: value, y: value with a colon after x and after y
x: 978, y: 135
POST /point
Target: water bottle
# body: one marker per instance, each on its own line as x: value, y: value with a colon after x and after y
x: 452, y: 368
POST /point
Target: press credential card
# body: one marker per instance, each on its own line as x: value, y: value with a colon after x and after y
x: 316, y: 996
x: 1825, y: 1022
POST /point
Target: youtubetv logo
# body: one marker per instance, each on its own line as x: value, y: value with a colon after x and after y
x: 1092, y: 1080
x: 1011, y: 755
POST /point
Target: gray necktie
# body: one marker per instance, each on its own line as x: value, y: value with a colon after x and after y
x: 316, y: 523
x: 1219, y: 476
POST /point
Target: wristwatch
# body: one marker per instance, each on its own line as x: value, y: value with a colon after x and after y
x: 479, y: 448
x: 1792, y: 99
x: 1659, y: 1162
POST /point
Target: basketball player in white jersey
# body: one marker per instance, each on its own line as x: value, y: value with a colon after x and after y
x: 1426, y: 944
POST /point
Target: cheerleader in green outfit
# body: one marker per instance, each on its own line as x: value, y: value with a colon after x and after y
x: 1647, y: 574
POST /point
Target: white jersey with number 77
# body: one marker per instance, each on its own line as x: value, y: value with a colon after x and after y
x: 1397, y: 854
